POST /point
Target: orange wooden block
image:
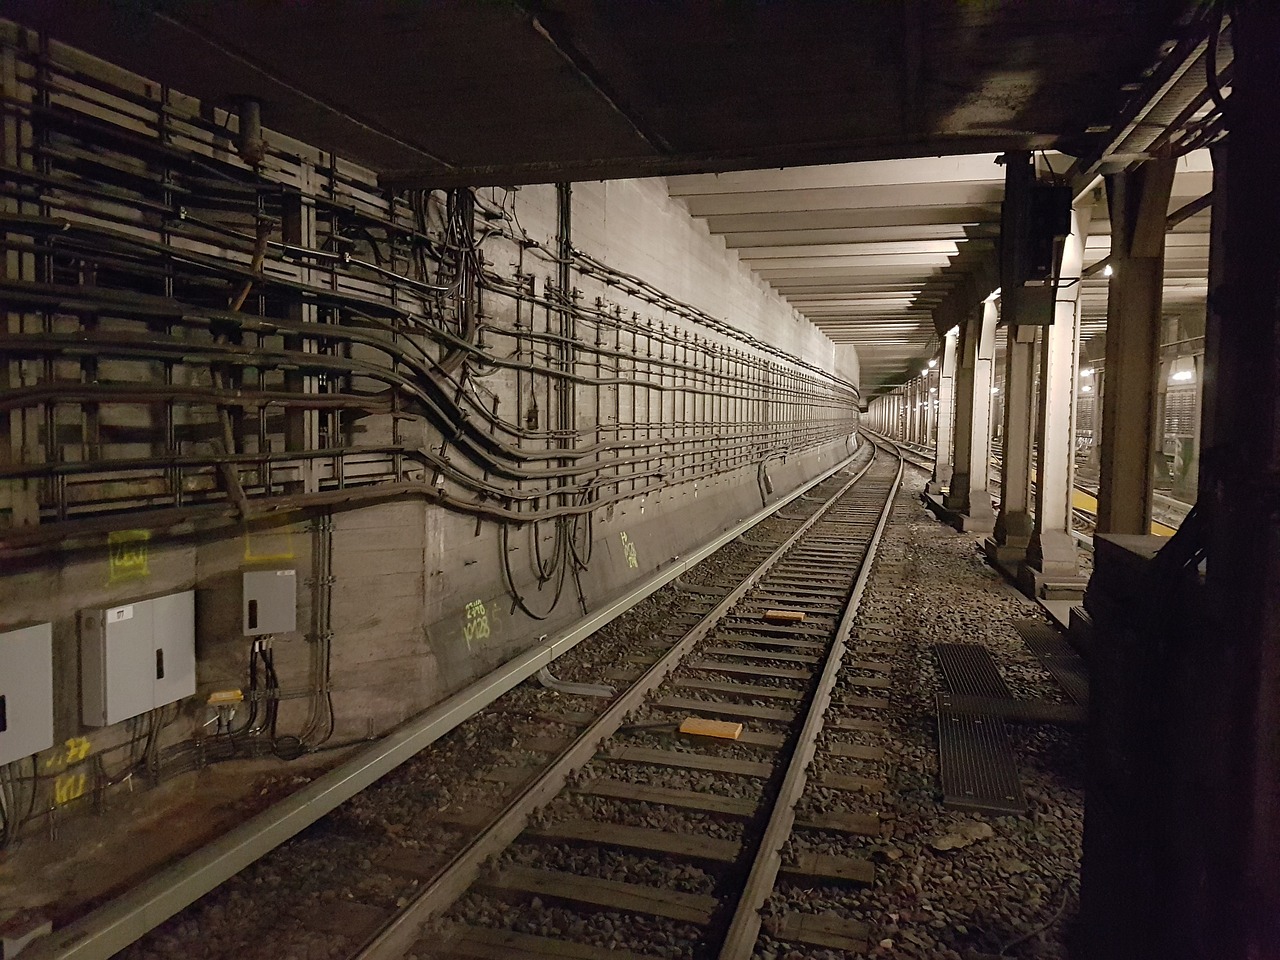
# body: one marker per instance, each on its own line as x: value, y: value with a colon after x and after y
x: 787, y: 616
x: 702, y: 727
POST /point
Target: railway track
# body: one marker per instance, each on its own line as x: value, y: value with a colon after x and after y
x: 773, y: 653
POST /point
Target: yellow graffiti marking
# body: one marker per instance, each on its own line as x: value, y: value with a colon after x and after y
x: 128, y: 553
x: 68, y: 786
x: 286, y: 552
x: 77, y: 749
x: 629, y: 550
x: 477, y: 625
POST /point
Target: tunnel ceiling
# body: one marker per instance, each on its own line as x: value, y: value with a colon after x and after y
x: 866, y: 251
x: 446, y: 93
x: 436, y: 94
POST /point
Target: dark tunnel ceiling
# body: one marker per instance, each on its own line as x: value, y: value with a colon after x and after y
x: 436, y: 94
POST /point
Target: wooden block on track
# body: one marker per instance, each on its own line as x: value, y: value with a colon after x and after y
x: 785, y: 616
x: 702, y: 727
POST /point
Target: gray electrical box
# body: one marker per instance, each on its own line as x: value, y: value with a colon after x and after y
x: 270, y: 602
x: 136, y: 657
x: 26, y: 691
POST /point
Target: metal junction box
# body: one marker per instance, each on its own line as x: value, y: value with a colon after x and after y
x: 26, y: 691
x: 270, y: 602
x: 136, y: 657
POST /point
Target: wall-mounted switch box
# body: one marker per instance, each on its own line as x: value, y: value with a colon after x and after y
x: 270, y: 602
x: 173, y: 621
x: 136, y: 657
x: 26, y: 691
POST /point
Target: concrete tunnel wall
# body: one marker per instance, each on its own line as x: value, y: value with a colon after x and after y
x: 417, y: 602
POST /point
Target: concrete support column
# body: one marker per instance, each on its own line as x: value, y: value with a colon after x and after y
x: 942, y: 462
x: 1008, y: 544
x: 911, y: 411
x: 1182, y: 821
x: 1051, y: 554
x: 1240, y: 765
x: 1139, y: 203
x: 930, y: 396
x: 926, y: 406
x: 915, y: 411
x: 969, y: 496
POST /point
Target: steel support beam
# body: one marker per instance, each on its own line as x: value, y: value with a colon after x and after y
x: 1137, y: 200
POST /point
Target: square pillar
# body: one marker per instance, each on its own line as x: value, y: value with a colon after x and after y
x: 1008, y: 544
x: 926, y: 409
x: 1139, y: 203
x: 942, y: 464
x: 969, y: 497
x: 1051, y: 554
x: 1184, y: 794
x: 912, y: 410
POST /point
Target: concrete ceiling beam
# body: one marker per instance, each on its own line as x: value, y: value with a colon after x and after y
x: 873, y: 173
x: 836, y: 273
x: 947, y: 247
x: 893, y: 197
x: 909, y: 260
x: 860, y: 235
x: 844, y: 219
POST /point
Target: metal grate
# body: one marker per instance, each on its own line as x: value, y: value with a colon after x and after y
x: 1015, y: 711
x: 968, y: 668
x: 1058, y: 657
x: 979, y: 771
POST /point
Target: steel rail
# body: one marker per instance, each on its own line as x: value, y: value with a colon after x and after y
x: 113, y: 926
x: 744, y: 928
x: 394, y: 940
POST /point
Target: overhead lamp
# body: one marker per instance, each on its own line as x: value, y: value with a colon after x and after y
x: 995, y: 389
x: 1183, y: 376
x: 1107, y: 270
x: 1086, y: 389
x: 933, y: 363
x: 1086, y: 371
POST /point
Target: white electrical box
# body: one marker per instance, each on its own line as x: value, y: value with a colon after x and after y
x: 136, y: 657
x: 26, y: 691
x: 270, y: 602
